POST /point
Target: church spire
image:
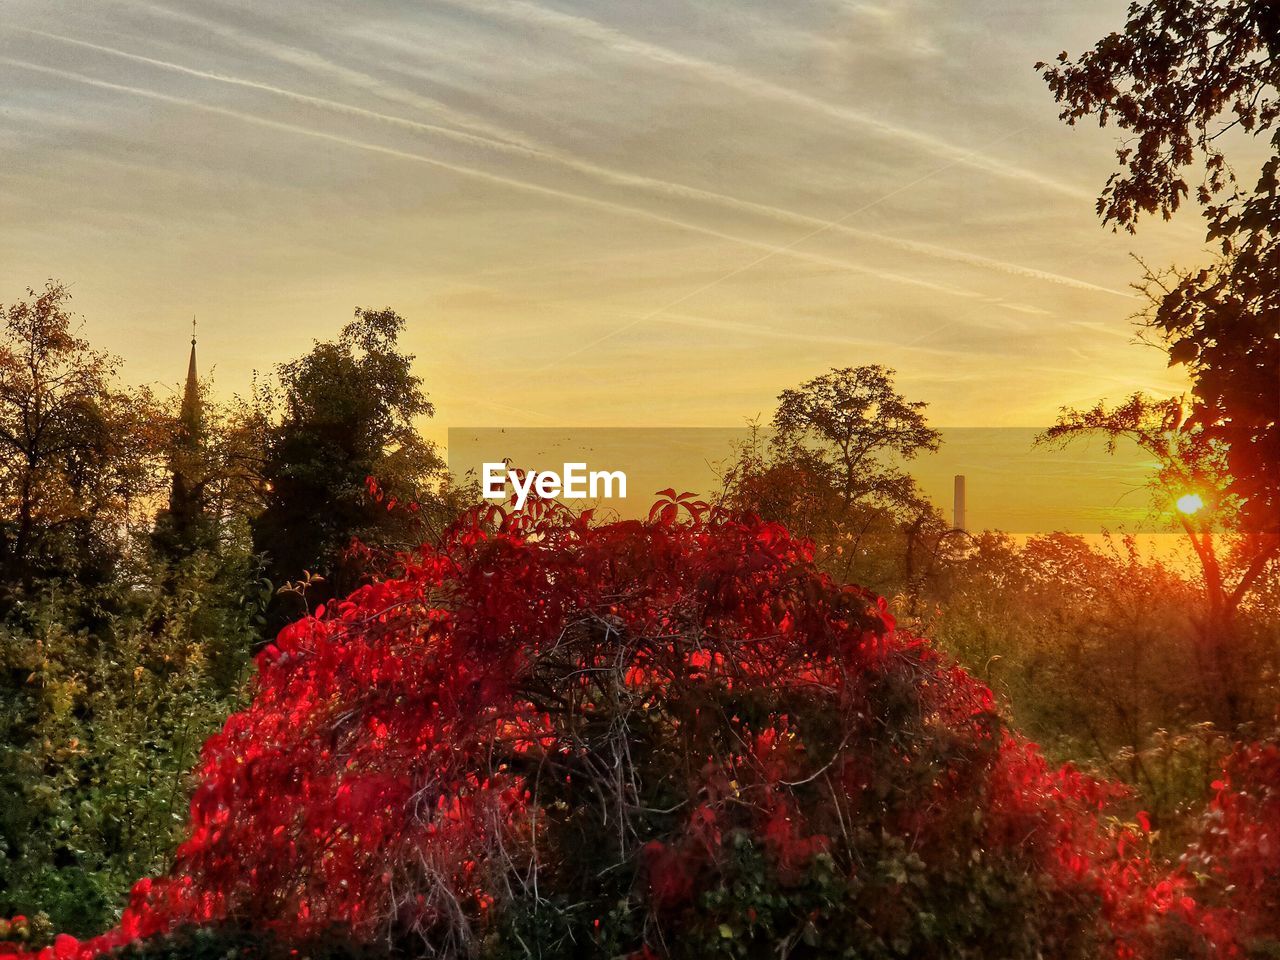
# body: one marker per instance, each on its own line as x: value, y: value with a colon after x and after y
x: 191, y: 416
x: 185, y: 526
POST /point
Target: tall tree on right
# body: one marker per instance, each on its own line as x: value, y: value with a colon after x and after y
x: 1180, y: 77
x: 1177, y: 78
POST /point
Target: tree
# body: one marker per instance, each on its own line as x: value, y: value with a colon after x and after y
x: 1223, y: 322
x: 100, y: 727
x: 215, y: 466
x: 847, y: 423
x: 347, y: 414
x: 1178, y: 79
x: 1181, y: 75
x: 831, y: 472
x: 77, y: 452
x: 1192, y: 461
x: 113, y: 667
x: 1092, y: 649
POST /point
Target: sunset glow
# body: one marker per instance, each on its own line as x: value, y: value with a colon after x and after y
x: 721, y: 200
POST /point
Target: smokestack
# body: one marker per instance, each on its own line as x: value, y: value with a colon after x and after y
x: 958, y: 518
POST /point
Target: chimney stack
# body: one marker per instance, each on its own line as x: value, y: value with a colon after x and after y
x: 958, y: 517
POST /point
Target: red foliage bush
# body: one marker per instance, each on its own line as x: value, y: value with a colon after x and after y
x: 1237, y: 858
x: 663, y: 740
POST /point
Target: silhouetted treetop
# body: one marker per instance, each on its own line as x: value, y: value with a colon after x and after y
x: 76, y: 449
x: 854, y: 420
x: 1178, y: 77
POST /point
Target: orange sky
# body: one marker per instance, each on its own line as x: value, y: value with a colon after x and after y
x: 602, y: 213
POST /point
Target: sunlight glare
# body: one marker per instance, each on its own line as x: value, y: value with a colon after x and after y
x: 1190, y: 503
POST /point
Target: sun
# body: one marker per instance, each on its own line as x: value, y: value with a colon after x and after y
x: 1190, y: 503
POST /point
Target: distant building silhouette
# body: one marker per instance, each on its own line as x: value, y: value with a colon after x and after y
x: 959, y: 521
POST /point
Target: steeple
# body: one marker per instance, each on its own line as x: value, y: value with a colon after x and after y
x: 191, y: 416
x: 185, y: 526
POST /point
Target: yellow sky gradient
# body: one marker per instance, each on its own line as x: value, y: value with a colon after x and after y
x: 597, y: 213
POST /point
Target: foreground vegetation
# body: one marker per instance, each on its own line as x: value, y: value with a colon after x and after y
x: 669, y: 739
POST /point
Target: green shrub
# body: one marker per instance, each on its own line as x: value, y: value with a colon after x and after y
x: 106, y: 700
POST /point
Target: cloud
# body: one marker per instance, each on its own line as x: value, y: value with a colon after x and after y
x: 462, y: 136
x: 600, y: 158
x: 583, y: 28
x: 314, y: 63
x: 770, y: 250
x: 509, y: 143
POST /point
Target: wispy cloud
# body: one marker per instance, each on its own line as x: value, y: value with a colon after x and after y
x: 316, y: 64
x: 601, y: 166
x: 791, y: 335
x: 509, y: 143
x: 338, y: 106
x: 583, y: 28
x: 524, y: 186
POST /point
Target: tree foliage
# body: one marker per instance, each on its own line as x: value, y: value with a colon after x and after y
x: 1234, y: 560
x: 100, y: 726
x: 1101, y: 651
x: 220, y: 490
x: 852, y: 424
x: 1223, y: 322
x: 347, y: 412
x: 1180, y: 77
x: 1237, y: 856
x: 118, y: 655
x: 1186, y: 461
x: 831, y: 470
x: 77, y: 451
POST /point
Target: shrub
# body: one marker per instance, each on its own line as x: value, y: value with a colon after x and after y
x: 105, y: 699
x: 648, y: 740
x: 1098, y: 650
x: 1237, y: 858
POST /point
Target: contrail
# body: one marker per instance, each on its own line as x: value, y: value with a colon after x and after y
x: 771, y: 250
x: 338, y: 106
x: 753, y: 330
x: 315, y: 63
x: 742, y: 268
x: 508, y: 144
x: 587, y: 29
x: 512, y: 144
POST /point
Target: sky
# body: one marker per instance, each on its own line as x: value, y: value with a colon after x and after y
x: 604, y: 213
